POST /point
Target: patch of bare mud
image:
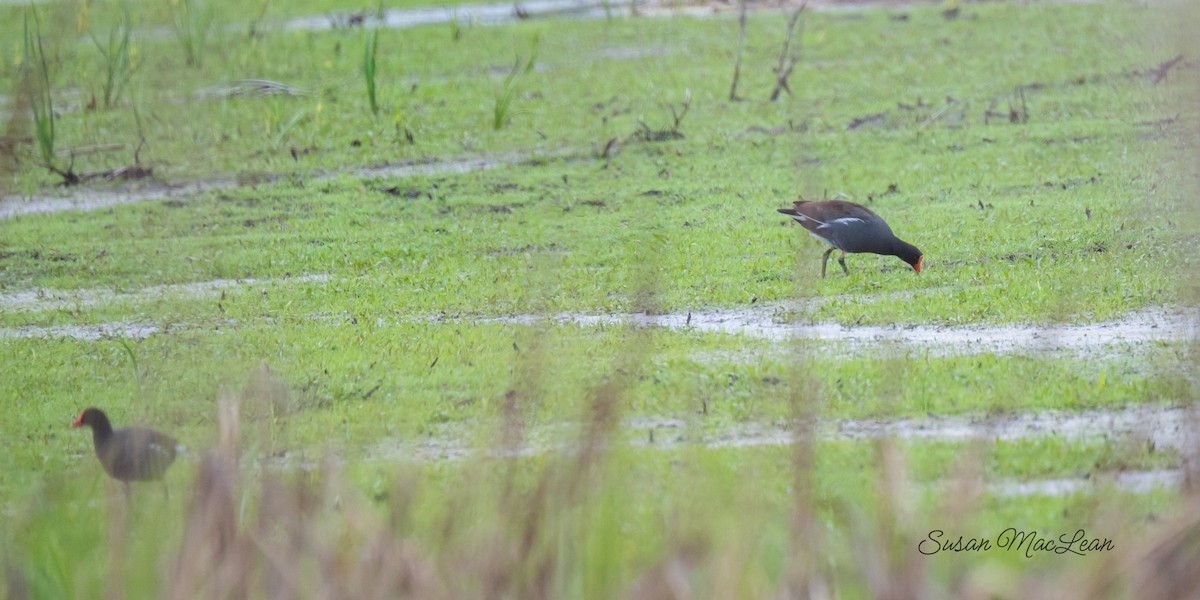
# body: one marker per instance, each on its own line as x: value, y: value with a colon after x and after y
x: 762, y: 321
x: 49, y: 299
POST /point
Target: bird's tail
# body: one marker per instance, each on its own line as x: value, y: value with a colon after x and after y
x: 794, y: 209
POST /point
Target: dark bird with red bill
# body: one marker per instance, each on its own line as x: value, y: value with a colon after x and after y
x: 129, y: 453
x: 853, y: 228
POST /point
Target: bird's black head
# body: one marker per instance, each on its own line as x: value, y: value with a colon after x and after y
x: 92, y: 417
x: 909, y: 254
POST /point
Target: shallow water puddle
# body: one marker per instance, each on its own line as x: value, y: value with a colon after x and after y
x: 1129, y: 481
x: 89, y: 199
x: 500, y: 13
x: 130, y: 330
x: 1121, y: 337
x: 1164, y: 426
x: 468, y: 14
x: 48, y: 299
x: 1167, y: 427
x: 1156, y: 325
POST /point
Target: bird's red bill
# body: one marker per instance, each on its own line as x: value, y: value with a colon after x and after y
x: 920, y: 263
x: 78, y: 421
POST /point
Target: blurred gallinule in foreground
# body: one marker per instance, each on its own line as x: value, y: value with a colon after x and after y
x: 851, y: 227
x: 129, y: 453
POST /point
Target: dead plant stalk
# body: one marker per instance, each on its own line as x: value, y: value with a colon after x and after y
x: 737, y: 63
x: 788, y: 60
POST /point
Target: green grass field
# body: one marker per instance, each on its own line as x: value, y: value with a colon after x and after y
x: 401, y: 420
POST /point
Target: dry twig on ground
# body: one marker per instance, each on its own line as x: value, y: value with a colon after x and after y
x: 737, y: 63
x: 787, y: 61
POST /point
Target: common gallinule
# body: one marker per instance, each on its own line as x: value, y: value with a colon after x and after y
x: 129, y: 453
x: 851, y: 227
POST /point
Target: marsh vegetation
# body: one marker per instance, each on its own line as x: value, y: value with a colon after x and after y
x: 446, y: 306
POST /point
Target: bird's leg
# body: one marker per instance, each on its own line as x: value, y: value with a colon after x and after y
x: 166, y: 492
x: 825, y: 261
x: 842, y: 261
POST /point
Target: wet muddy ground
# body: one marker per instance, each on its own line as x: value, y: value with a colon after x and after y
x: 1167, y: 427
x: 150, y: 189
x: 130, y: 330
x: 769, y: 321
x: 764, y: 320
x: 83, y: 198
x: 499, y: 13
x: 1164, y: 427
x: 44, y: 299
